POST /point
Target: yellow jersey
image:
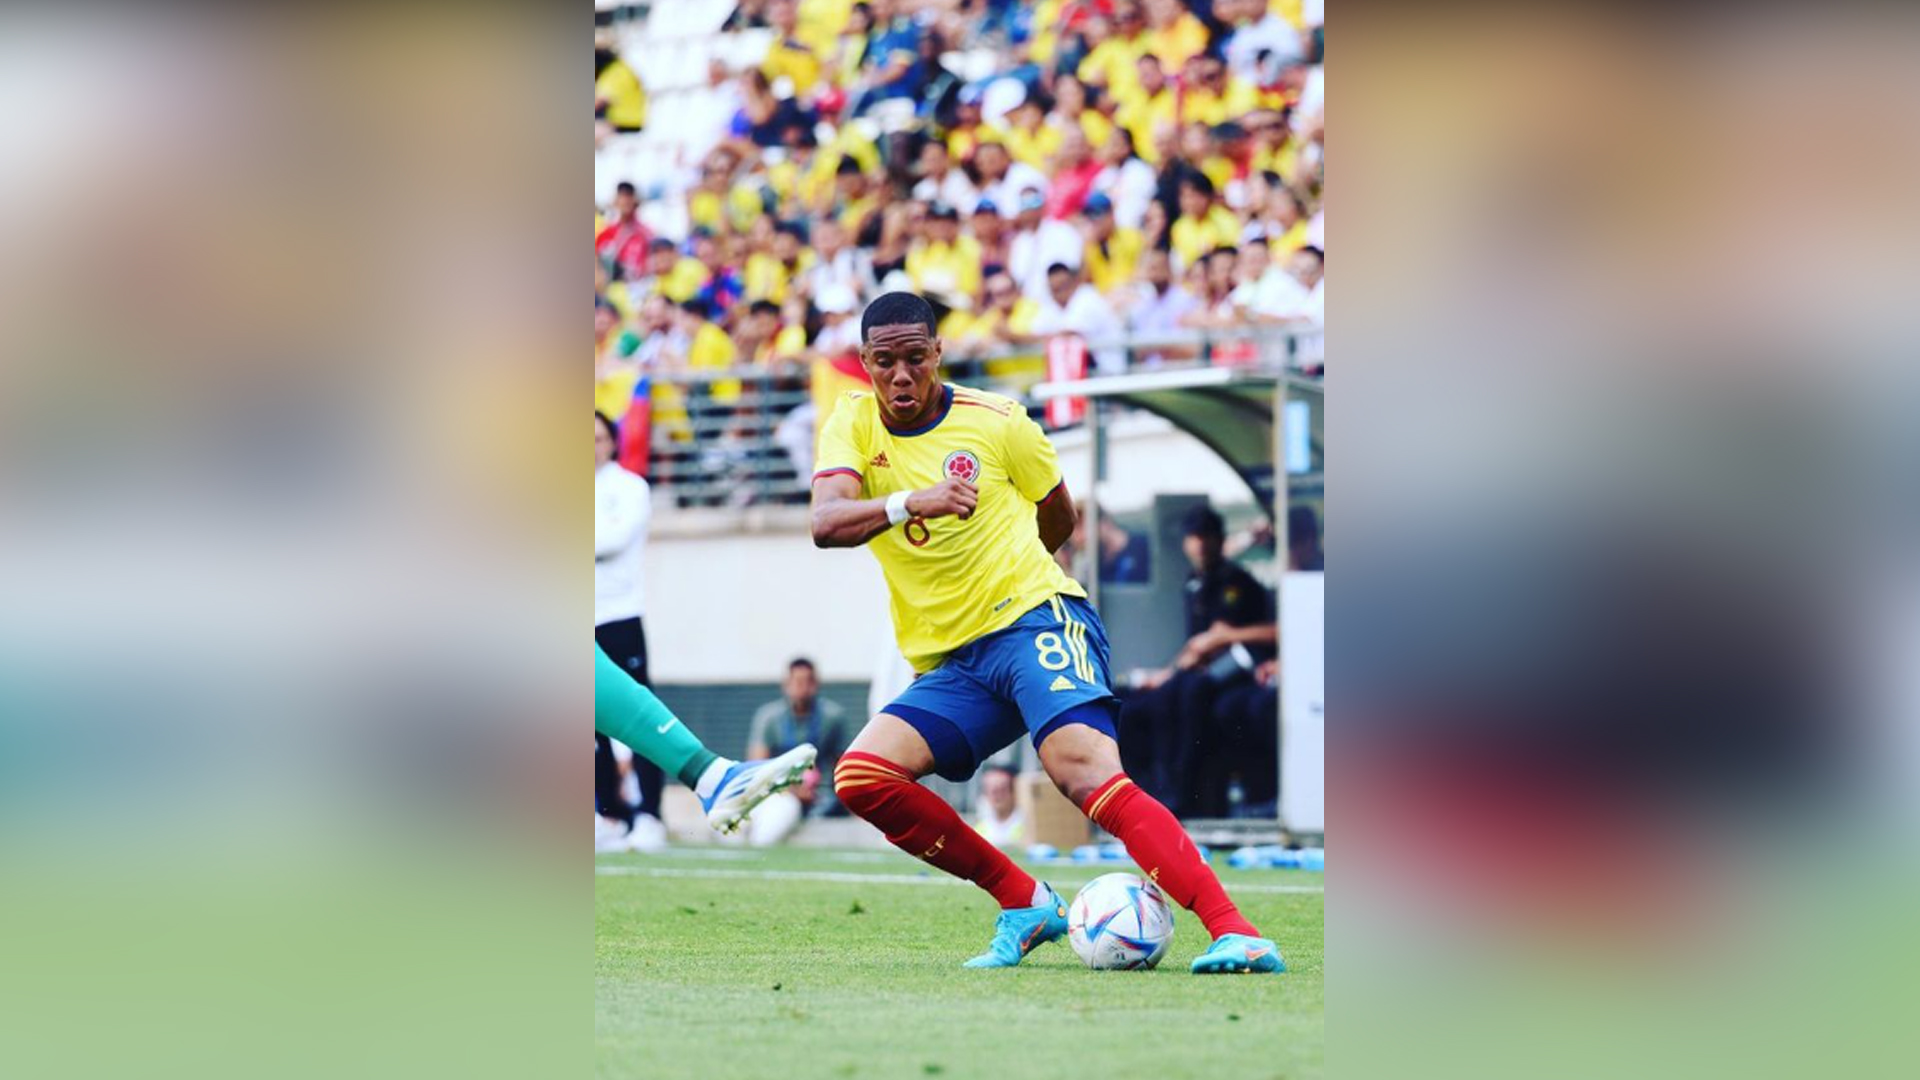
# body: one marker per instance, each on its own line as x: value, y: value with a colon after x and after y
x: 1193, y: 239
x: 626, y: 97
x: 952, y: 581
x: 947, y: 270
x: 1112, y: 267
x: 794, y: 59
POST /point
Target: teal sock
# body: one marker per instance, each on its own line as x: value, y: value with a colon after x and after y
x: 625, y: 710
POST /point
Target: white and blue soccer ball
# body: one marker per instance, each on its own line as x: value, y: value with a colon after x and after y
x: 1120, y: 922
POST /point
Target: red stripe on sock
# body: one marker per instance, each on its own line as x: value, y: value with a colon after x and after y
x: 921, y: 824
x: 1155, y: 840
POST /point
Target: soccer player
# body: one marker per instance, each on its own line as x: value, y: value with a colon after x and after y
x: 728, y: 790
x: 958, y: 494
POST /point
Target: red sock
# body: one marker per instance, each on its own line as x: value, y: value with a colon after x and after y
x: 921, y: 824
x: 1156, y: 841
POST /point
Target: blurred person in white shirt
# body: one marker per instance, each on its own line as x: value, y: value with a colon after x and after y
x: 1071, y: 306
x: 622, y: 505
x: 940, y: 180
x: 1001, y: 179
x: 1038, y: 243
x: 1000, y: 820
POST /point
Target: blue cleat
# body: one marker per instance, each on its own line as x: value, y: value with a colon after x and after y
x: 748, y: 783
x: 1239, y: 953
x: 1019, y: 931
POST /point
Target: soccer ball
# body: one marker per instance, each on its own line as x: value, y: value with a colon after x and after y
x: 1120, y: 922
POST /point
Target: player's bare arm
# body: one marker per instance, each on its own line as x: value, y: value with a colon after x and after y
x: 842, y: 519
x: 1057, y: 517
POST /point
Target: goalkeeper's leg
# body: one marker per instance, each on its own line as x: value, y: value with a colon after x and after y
x: 728, y: 789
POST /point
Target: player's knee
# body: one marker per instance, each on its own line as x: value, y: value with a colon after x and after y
x: 1078, y: 774
x: 864, y: 782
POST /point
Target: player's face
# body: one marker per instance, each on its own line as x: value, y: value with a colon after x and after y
x: 904, y: 363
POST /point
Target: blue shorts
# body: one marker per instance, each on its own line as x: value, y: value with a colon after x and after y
x: 1047, y: 670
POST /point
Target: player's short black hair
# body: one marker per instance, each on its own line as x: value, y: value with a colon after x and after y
x: 799, y: 662
x: 848, y: 167
x: 1313, y: 251
x: 660, y: 243
x: 1059, y: 268
x: 764, y: 307
x: 793, y: 229
x: 1199, y: 182
x: 896, y: 309
x: 613, y: 429
x: 694, y: 305
x: 1225, y: 249
x: 625, y: 187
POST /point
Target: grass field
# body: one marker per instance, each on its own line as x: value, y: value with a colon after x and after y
x: 722, y: 963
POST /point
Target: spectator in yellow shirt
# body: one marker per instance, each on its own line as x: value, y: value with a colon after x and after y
x: 789, y: 57
x: 1173, y: 33
x: 1212, y: 96
x: 1028, y: 138
x: 1200, y: 149
x: 1110, y: 58
x: 708, y: 349
x: 1071, y: 109
x: 669, y: 274
x: 768, y: 274
x: 619, y: 99
x: 1203, y: 224
x: 853, y: 198
x: 1112, y: 252
x: 1149, y: 103
x: 943, y: 264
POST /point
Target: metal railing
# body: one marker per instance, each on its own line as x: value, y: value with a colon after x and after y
x: 745, y: 437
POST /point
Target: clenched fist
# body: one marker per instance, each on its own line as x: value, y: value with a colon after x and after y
x: 949, y: 496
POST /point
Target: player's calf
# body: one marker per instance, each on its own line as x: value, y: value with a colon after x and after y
x: 1151, y: 834
x: 921, y: 824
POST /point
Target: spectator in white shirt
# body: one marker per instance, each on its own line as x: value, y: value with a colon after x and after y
x: 1038, y: 243
x: 1128, y: 182
x: 1072, y: 306
x: 1158, y: 302
x: 1001, y: 179
x: 1261, y: 43
x: 838, y: 266
x: 1000, y: 819
x: 622, y: 503
x: 1266, y: 292
x: 939, y: 181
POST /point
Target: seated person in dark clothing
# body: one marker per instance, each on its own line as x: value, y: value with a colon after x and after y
x: 1241, y: 742
x: 1230, y: 630
x: 1124, y: 554
x: 1303, y: 540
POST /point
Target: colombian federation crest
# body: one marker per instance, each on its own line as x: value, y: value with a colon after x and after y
x: 962, y: 465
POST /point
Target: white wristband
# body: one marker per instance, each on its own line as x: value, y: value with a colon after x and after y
x: 897, y: 507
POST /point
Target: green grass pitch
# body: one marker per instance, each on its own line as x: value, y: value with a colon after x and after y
x: 723, y: 963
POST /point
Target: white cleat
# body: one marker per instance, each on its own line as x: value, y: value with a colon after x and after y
x: 747, y: 783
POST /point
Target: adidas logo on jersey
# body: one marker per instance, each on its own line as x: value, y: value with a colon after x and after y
x: 1061, y: 682
x: 880, y: 460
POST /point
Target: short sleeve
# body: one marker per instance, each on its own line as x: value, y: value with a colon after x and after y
x: 1032, y: 464
x: 839, y: 450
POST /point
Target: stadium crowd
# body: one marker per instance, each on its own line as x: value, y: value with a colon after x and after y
x: 1147, y: 166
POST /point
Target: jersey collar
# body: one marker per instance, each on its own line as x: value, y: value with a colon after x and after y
x: 946, y: 406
